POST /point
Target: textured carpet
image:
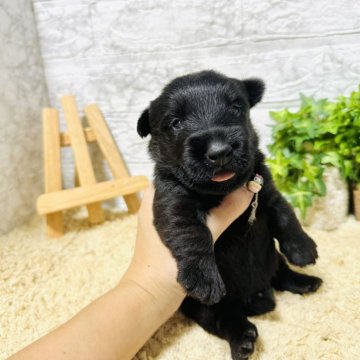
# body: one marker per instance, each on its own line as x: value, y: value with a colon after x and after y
x: 44, y: 282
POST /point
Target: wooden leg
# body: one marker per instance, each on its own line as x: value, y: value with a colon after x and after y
x: 52, y: 167
x: 110, y: 151
x: 83, y: 163
x: 76, y: 179
x: 55, y: 225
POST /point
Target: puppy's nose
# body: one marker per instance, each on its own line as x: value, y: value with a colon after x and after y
x: 219, y: 153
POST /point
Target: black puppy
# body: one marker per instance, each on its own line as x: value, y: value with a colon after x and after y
x: 204, y: 147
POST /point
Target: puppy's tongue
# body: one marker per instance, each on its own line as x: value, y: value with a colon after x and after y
x: 223, y: 176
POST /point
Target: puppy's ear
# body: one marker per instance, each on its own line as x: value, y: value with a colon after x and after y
x: 143, y: 125
x: 255, y: 89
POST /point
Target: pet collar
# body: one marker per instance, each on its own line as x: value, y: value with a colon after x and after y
x: 255, y: 186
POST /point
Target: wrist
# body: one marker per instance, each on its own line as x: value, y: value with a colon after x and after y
x: 165, y: 296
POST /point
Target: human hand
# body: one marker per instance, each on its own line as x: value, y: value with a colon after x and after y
x: 153, y: 268
x: 118, y: 323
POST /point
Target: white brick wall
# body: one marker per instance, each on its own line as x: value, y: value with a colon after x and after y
x: 121, y: 53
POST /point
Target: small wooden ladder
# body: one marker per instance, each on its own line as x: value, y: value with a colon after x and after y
x: 87, y: 190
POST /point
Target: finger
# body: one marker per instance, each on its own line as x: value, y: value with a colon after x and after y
x: 233, y: 205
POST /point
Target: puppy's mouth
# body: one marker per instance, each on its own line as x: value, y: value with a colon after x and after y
x: 223, y: 175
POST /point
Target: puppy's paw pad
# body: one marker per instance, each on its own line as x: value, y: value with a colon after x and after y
x: 203, y: 283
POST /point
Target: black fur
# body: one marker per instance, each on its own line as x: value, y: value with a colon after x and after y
x: 235, y: 278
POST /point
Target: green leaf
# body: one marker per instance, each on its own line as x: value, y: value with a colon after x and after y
x: 331, y: 158
x: 320, y: 186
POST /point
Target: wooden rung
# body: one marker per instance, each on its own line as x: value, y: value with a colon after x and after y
x: 66, y: 141
x: 83, y: 163
x: 110, y: 151
x: 69, y: 198
x: 52, y: 167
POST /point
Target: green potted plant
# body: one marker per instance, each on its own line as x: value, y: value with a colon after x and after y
x: 311, y: 147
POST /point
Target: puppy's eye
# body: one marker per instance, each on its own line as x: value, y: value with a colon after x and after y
x: 176, y: 124
x: 237, y: 109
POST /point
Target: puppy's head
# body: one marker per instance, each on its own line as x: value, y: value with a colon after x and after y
x: 201, y: 131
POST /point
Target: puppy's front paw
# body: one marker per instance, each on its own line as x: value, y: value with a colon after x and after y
x: 202, y: 281
x: 300, y: 251
x: 243, y: 345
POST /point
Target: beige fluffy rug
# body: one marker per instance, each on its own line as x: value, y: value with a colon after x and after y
x: 43, y: 282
